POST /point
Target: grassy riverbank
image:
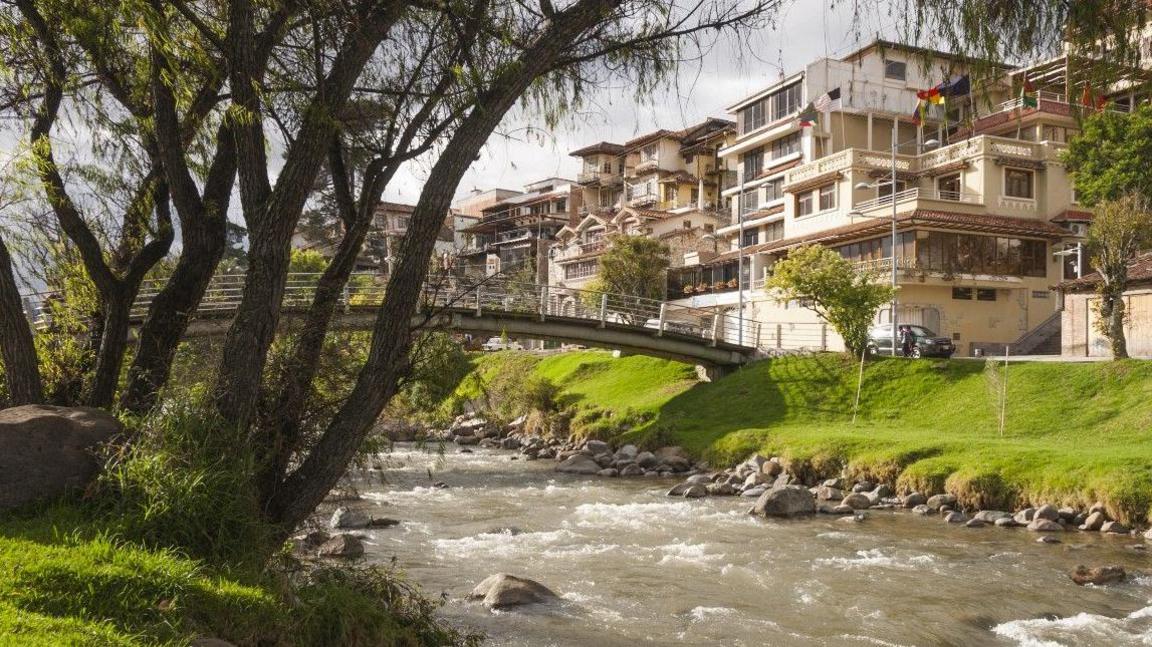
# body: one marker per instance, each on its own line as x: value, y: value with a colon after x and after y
x: 1074, y: 433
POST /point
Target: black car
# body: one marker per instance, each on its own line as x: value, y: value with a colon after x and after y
x: 927, y: 343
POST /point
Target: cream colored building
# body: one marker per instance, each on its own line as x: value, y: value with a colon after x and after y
x: 987, y: 220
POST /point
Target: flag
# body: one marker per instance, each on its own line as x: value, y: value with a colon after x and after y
x: 808, y: 116
x: 931, y: 95
x: 1086, y: 99
x: 824, y: 103
x: 1029, y: 98
x: 957, y: 86
x: 920, y: 114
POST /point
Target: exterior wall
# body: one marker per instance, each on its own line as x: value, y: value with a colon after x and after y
x: 1080, y: 338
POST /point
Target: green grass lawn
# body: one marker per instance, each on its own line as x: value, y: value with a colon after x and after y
x: 1074, y: 433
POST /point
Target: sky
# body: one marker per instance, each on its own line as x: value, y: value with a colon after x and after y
x: 525, y: 150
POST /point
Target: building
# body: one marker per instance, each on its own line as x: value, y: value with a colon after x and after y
x: 665, y: 185
x: 514, y: 232
x: 985, y: 220
x: 381, y: 246
x: 1079, y: 334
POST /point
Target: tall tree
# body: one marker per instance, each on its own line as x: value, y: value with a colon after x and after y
x: 828, y: 285
x: 21, y: 372
x: 1109, y: 158
x: 635, y: 266
x: 1120, y: 229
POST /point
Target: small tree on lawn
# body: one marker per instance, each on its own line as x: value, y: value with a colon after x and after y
x: 633, y: 266
x: 1121, y: 228
x: 830, y: 286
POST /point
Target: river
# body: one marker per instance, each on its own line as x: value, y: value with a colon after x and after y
x: 634, y: 567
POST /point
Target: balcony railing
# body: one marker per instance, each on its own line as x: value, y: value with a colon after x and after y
x: 593, y: 177
x: 920, y: 194
x: 1050, y: 97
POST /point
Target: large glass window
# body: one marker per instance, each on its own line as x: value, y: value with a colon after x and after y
x: 774, y: 190
x: 786, y: 146
x: 897, y: 70
x: 751, y: 237
x: 948, y: 187
x: 754, y: 116
x: 753, y: 164
x: 1018, y: 183
x: 773, y: 107
x: 750, y: 201
x: 827, y: 197
x: 581, y: 270
x: 804, y: 204
x: 774, y: 231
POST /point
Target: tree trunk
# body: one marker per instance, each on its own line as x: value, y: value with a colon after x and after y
x: 273, y: 221
x: 387, y: 362
x: 113, y: 344
x: 21, y: 370
x: 1116, y: 334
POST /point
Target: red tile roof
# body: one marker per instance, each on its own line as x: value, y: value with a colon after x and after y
x: 1073, y: 215
x: 607, y: 148
x: 1139, y: 271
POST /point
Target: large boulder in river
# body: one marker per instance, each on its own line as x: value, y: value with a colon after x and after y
x: 349, y: 518
x: 1099, y: 576
x: 502, y: 590
x: 342, y: 546
x: 579, y: 464
x: 46, y: 451
x: 786, y: 501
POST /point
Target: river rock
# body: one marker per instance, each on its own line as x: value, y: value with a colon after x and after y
x: 1098, y: 576
x: 47, y: 451
x: 857, y: 517
x: 1094, y: 521
x: 922, y: 509
x: 829, y: 493
x: 772, y: 468
x: 627, y: 453
x: 857, y: 501
x: 1048, y: 512
x: 609, y: 472
x: 754, y: 491
x: 1114, y: 528
x: 938, y: 501
x: 1148, y: 534
x: 595, y: 447
x: 603, y: 460
x: 758, y: 478
x: 786, y: 501
x: 721, y: 489
x: 754, y: 462
x: 502, y: 590
x: 956, y: 517
x: 1006, y: 522
x: 383, y: 522
x: 349, y: 518
x: 863, y: 486
x: 1048, y: 539
x: 1025, y: 516
x: 698, y: 479
x: 836, y: 483
x: 992, y: 516
x: 1067, y: 513
x: 976, y: 523
x: 647, y: 460
x: 343, y: 546
x: 632, y: 470
x: 843, y: 509
x: 1098, y: 507
x: 914, y: 499
x: 511, y: 442
x: 696, y: 491
x: 579, y: 464
x: 783, y: 480
x: 1045, y: 525
x: 466, y: 440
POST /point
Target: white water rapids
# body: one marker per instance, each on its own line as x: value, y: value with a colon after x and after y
x: 634, y: 567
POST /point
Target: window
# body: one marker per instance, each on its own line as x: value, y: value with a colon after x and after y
x: 827, y: 197
x: 940, y: 251
x: 753, y: 163
x: 1018, y: 183
x: 774, y: 231
x: 750, y: 201
x: 773, y: 107
x: 948, y: 187
x: 751, y: 236
x: 962, y: 294
x: 786, y: 101
x: 709, y: 228
x: 649, y: 153
x: 695, y: 195
x: 687, y: 224
x: 885, y: 189
x: 786, y: 146
x: 607, y: 167
x: 774, y: 190
x: 561, y: 206
x: 985, y: 294
x: 897, y: 70
x: 804, y: 204
x: 670, y: 192
x: 753, y: 117
x: 581, y: 270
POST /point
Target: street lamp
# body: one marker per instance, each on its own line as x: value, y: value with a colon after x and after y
x: 927, y: 145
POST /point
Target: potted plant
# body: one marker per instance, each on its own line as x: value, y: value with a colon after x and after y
x: 733, y: 283
x: 702, y: 288
x: 688, y: 289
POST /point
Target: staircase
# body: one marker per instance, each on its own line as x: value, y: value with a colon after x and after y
x: 1041, y: 340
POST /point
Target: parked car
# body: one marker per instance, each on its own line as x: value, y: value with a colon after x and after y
x: 927, y: 343
x: 681, y: 327
x: 497, y: 343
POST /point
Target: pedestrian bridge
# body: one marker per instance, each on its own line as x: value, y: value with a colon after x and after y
x: 496, y: 306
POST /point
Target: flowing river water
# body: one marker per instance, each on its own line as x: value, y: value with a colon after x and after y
x: 634, y: 567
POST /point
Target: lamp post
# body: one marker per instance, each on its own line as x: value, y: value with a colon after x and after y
x: 927, y: 145
x: 740, y: 262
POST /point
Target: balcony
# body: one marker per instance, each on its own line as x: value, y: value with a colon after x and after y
x: 955, y: 197
x: 594, y: 178
x: 647, y: 166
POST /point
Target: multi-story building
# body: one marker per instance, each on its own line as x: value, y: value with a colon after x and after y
x: 515, y: 232
x: 984, y: 209
x: 665, y: 185
x: 382, y: 244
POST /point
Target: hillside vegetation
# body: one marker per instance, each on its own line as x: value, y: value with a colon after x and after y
x: 1074, y: 433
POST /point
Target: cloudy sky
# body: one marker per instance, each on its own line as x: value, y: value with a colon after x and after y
x: 805, y: 30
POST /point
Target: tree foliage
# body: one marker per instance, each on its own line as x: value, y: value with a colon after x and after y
x: 1120, y: 229
x: 634, y: 266
x: 1109, y: 159
x: 829, y: 285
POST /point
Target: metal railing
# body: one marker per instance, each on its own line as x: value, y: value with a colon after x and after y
x: 920, y: 194
x: 499, y: 295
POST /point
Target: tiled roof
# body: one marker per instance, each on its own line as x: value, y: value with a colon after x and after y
x: 607, y: 148
x: 681, y: 177
x: 944, y: 219
x: 1139, y: 271
x: 1073, y: 215
x: 395, y: 207
x: 778, y: 168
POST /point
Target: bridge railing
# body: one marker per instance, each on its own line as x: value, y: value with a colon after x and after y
x: 498, y: 294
